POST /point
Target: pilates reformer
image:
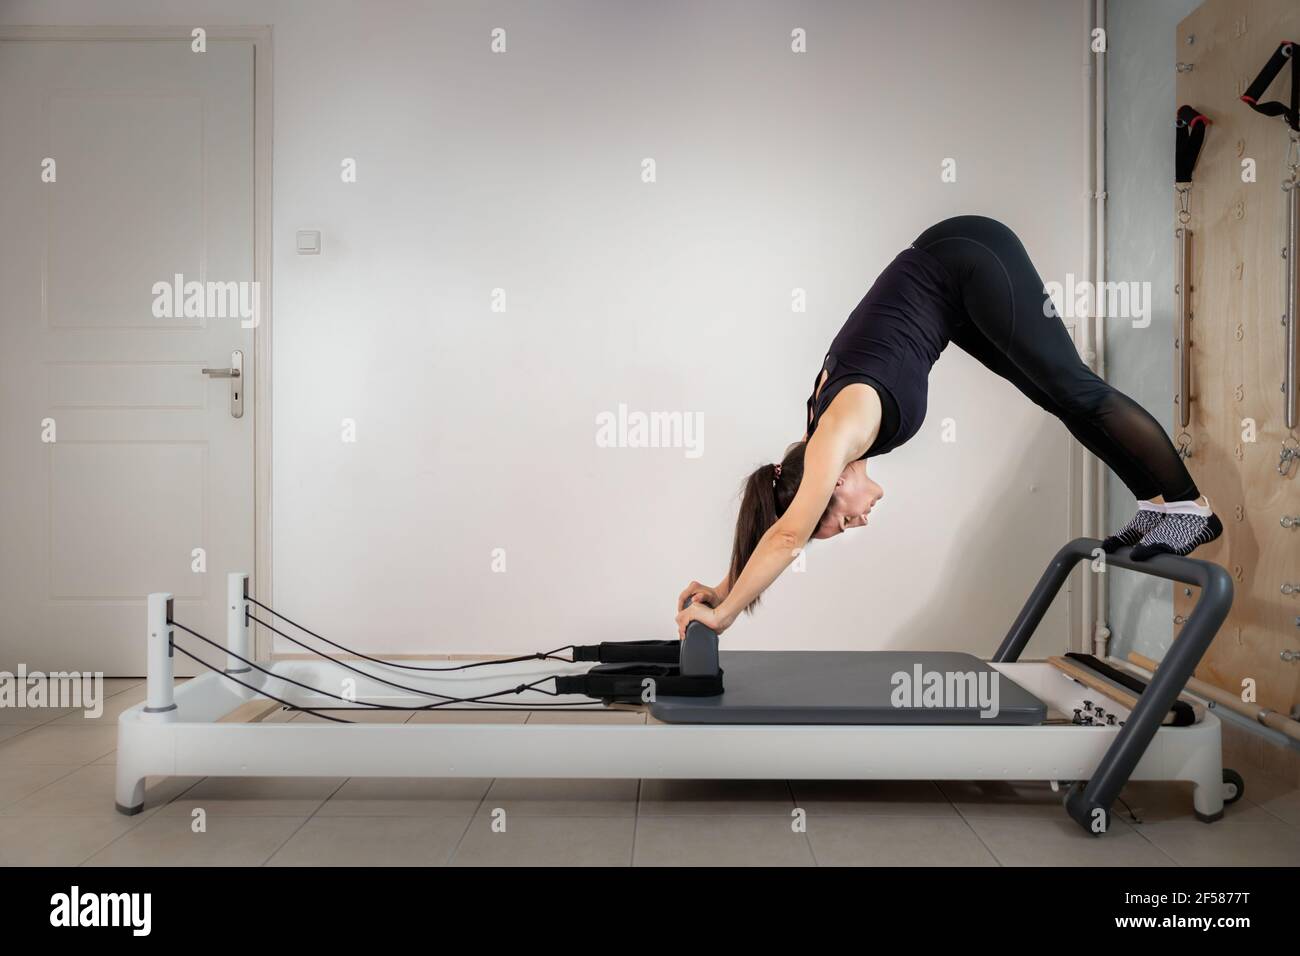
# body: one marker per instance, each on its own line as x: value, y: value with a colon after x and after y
x: 711, y: 715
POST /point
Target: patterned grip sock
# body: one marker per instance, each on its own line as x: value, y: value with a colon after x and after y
x: 1145, y: 521
x: 1179, y: 533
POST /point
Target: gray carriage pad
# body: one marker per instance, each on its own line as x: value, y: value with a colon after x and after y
x: 855, y: 687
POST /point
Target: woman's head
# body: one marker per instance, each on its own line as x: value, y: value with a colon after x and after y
x: 767, y: 494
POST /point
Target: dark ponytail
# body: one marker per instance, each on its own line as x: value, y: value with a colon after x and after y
x: 765, y: 496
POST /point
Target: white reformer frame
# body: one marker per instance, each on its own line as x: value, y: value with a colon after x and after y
x: 178, y: 731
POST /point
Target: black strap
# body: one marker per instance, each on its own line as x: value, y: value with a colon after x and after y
x: 1284, y: 52
x: 1184, y: 714
x: 627, y: 652
x: 1189, y: 137
x: 625, y: 683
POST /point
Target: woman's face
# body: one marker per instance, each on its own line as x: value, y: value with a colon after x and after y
x: 854, y: 496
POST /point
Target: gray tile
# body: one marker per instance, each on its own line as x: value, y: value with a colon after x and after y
x: 52, y: 841
x: 1279, y: 798
x: 117, y: 685
x: 59, y: 745
x: 1285, y: 806
x: 90, y: 792
x: 113, y: 707
x: 21, y: 780
x: 255, y: 796
x: 895, y: 841
x: 720, y: 841
x: 1005, y: 798
x: 548, y: 841
x: 406, y: 797
x: 32, y: 716
x: 165, y: 840
x: 1033, y: 842
x: 562, y: 798
x: 372, y: 841
x: 1160, y: 800
x: 1226, y: 843
x: 893, y: 797
x: 729, y: 797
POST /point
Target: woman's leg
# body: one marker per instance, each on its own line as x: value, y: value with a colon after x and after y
x: 970, y: 340
x: 1008, y: 304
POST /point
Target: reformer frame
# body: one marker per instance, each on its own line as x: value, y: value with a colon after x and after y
x: 188, y: 730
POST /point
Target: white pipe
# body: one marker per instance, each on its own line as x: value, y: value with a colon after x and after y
x: 1101, y: 617
x: 1088, y: 604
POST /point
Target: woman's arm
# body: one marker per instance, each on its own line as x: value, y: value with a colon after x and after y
x: 844, y: 434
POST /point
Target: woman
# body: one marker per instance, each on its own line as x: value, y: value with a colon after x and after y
x: 969, y: 281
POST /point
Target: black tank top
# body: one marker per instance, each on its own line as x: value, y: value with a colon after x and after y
x: 890, y: 342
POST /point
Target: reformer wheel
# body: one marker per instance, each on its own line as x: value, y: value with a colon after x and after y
x: 1233, y: 786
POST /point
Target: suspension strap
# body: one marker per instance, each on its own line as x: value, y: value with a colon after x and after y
x: 1290, y: 112
x: 1189, y: 137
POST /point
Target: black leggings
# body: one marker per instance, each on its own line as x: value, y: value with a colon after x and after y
x: 1014, y: 331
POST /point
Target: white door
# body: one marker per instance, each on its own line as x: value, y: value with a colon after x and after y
x: 124, y: 470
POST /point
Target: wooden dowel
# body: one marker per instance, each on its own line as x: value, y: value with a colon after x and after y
x: 1269, y: 718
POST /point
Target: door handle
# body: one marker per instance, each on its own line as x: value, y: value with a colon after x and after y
x: 235, y: 373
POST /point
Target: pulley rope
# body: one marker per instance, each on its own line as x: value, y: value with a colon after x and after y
x: 361, y: 705
x: 540, y: 655
x: 413, y: 690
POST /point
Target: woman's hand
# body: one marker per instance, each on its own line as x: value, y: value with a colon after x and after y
x: 697, y: 593
x: 711, y: 617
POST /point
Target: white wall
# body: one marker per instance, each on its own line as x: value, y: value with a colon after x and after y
x: 521, y: 171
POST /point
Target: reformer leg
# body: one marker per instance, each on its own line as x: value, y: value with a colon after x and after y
x: 1207, y: 784
x: 129, y: 793
x: 160, y: 707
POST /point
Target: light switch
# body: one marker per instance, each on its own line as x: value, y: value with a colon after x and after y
x: 308, y: 242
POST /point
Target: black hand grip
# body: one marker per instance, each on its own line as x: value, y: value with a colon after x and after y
x: 699, y: 657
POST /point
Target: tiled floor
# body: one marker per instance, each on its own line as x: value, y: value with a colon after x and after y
x: 56, y: 808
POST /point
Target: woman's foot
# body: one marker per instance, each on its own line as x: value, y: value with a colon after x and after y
x: 1147, y: 517
x: 1186, y: 526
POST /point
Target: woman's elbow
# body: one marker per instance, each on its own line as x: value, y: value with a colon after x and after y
x: 787, y: 540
